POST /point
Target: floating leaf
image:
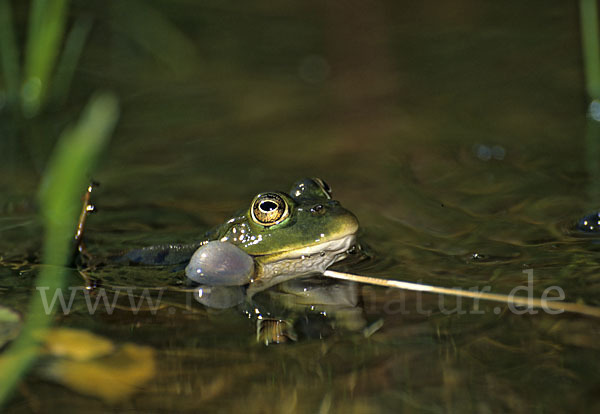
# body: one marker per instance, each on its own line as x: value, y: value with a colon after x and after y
x: 106, y: 371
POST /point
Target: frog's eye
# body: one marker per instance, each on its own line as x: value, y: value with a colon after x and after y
x: 324, y: 186
x: 269, y: 209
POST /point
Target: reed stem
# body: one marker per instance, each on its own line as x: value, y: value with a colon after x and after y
x: 496, y: 297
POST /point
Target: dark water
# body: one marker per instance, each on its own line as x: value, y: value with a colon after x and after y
x: 455, y: 131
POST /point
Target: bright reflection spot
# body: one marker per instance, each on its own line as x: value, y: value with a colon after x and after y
x: 498, y: 152
x: 594, y: 110
x: 483, y: 152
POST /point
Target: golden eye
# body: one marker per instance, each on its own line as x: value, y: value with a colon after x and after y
x: 269, y: 209
x: 324, y: 186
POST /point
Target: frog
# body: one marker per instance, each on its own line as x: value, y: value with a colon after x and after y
x: 589, y: 224
x: 286, y: 235
x: 278, y: 238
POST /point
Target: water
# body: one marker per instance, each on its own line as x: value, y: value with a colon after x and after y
x: 455, y: 132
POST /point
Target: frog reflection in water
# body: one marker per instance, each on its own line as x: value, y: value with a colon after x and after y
x: 280, y: 237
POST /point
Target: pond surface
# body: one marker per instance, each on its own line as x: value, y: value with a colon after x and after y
x: 455, y: 132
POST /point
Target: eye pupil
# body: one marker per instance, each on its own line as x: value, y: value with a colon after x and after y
x: 268, y: 206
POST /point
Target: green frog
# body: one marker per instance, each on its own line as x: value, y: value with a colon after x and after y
x: 278, y: 237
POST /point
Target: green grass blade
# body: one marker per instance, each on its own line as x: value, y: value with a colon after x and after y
x: 590, y: 46
x: 36, y: 13
x: 46, y: 29
x: 60, y: 191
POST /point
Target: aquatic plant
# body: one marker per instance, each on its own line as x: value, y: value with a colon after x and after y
x: 590, y: 46
x: 42, y: 72
x: 590, y: 49
x: 30, y: 84
x: 76, y: 152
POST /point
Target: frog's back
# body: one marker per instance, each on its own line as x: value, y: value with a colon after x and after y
x: 161, y: 255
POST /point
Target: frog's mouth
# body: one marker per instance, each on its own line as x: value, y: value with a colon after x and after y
x: 309, y: 260
x: 334, y: 246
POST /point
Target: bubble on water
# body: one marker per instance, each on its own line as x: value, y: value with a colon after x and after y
x: 483, y: 152
x: 498, y: 152
x: 486, y: 152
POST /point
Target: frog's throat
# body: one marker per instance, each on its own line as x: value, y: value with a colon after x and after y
x: 314, y: 259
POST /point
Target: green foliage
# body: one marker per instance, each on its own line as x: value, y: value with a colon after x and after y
x: 590, y: 47
x: 77, y: 150
x: 47, y: 21
x: 28, y: 85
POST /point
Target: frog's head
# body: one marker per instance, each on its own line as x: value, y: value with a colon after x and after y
x: 289, y: 234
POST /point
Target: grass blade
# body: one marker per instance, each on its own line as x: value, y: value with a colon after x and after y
x: 77, y: 149
x: 46, y: 29
x: 590, y: 46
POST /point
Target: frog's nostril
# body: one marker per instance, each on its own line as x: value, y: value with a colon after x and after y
x: 318, y: 209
